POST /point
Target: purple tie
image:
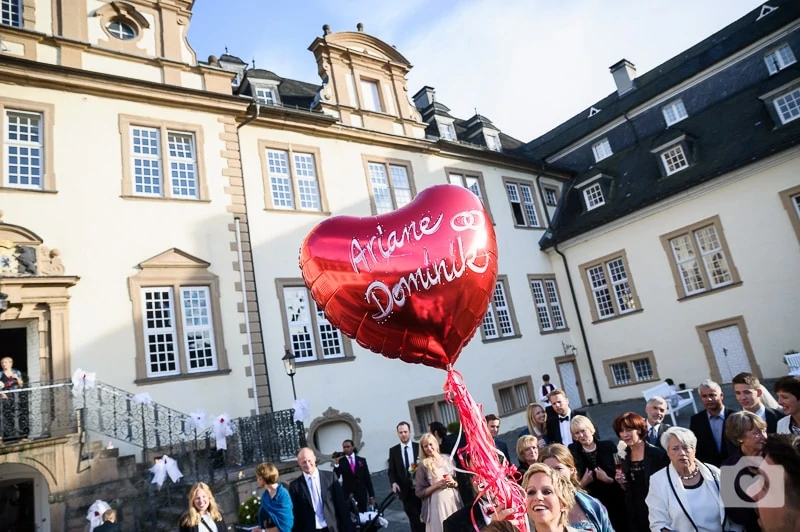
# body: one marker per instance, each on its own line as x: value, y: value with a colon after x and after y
x: 352, y: 464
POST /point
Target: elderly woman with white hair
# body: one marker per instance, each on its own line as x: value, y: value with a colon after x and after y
x: 686, y: 494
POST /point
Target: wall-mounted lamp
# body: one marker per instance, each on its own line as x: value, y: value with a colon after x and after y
x: 290, y: 367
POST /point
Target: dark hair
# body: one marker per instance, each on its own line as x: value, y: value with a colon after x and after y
x: 788, y: 384
x: 437, y: 429
x: 669, y: 381
x: 491, y: 417
x: 406, y: 423
x: 748, y: 379
x: 351, y: 442
x: 545, y: 377
x: 499, y: 526
x: 784, y: 450
x: 631, y: 420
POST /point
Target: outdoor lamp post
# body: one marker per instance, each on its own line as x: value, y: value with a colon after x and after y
x: 291, y: 369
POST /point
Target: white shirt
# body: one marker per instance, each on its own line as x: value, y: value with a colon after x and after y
x: 761, y: 412
x: 316, y: 498
x: 566, y: 433
x: 403, y: 447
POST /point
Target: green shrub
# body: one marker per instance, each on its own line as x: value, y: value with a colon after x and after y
x: 452, y: 428
x: 248, y: 510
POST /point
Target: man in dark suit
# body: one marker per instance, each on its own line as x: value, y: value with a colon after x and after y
x: 748, y: 392
x: 401, y: 458
x: 317, y: 499
x: 356, y: 480
x: 656, y: 409
x: 493, y: 422
x: 559, y: 416
x: 709, y: 425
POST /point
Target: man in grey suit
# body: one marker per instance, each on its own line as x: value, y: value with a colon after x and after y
x: 656, y: 409
x: 317, y: 500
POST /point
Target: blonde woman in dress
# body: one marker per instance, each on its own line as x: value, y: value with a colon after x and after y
x: 435, y: 484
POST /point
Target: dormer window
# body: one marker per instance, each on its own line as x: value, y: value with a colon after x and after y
x: 674, y: 159
x: 602, y: 150
x: 11, y: 13
x: 447, y: 131
x: 121, y: 30
x: 493, y: 142
x: 779, y: 58
x: 788, y: 106
x: 266, y: 96
x: 674, y: 112
x: 371, y: 96
x: 593, y: 196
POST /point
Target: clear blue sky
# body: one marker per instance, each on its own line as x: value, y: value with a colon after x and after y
x: 526, y: 64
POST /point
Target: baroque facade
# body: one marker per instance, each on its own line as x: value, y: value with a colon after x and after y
x: 162, y: 254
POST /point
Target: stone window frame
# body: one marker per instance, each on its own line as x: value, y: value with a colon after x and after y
x: 499, y: 387
x: 463, y: 174
x: 27, y: 12
x: 381, y: 101
x: 603, y: 261
x: 554, y: 192
x: 791, y: 202
x: 47, y: 111
x: 503, y: 280
x: 433, y: 401
x: 386, y: 161
x: 176, y: 269
x: 127, y: 13
x: 536, y: 207
x: 126, y: 122
x: 628, y: 359
x: 544, y: 279
x: 690, y: 230
x: 291, y: 149
x: 347, y: 346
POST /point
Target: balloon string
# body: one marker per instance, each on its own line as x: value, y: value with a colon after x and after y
x: 495, y: 481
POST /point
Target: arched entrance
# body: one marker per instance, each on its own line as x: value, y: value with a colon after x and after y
x: 24, y: 499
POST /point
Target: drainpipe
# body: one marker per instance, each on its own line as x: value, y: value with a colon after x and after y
x: 571, y: 288
x: 237, y: 225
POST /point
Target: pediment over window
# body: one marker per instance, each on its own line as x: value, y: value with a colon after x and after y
x: 173, y: 258
x: 367, y: 44
x: 122, y: 9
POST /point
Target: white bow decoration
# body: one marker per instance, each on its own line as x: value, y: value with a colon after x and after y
x: 197, y: 420
x: 95, y: 513
x: 222, y: 429
x: 143, y: 399
x: 82, y: 380
x: 165, y: 466
x: 301, y: 410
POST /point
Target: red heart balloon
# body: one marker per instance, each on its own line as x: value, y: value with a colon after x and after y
x: 412, y: 284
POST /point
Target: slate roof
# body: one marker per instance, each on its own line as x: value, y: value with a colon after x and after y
x: 699, y: 57
x: 293, y: 93
x: 466, y: 128
x: 731, y: 134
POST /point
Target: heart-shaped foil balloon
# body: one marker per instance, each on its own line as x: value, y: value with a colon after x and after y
x: 412, y: 284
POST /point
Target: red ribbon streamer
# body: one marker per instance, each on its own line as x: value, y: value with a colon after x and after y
x: 480, y: 456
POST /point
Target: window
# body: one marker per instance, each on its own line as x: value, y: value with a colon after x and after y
x: 779, y: 58
x: 26, y: 145
x: 426, y: 410
x: 700, y: 258
x: 266, y: 96
x: 493, y: 142
x: 162, y: 160
x: 602, y: 150
x: 593, y: 196
x: 674, y: 112
x: 631, y: 369
x: 791, y: 202
x: 371, y: 96
x: 548, y: 304
x: 674, y: 160
x: 609, y: 287
x: 471, y: 180
x: 788, y: 106
x: 551, y: 196
x: 307, y: 331
x: 11, y: 13
x: 500, y: 321
x: 447, y: 131
x: 513, y: 396
x: 391, y: 183
x: 177, y: 318
x: 291, y: 177
x: 121, y: 30
x: 523, y: 206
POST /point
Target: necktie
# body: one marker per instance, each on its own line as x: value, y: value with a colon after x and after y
x: 405, y: 456
x: 716, y: 429
x: 352, y: 464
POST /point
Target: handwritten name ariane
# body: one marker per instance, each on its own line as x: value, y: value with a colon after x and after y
x: 365, y: 255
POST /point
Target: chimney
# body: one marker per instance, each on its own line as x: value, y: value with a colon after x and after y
x: 425, y: 97
x: 624, y: 73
